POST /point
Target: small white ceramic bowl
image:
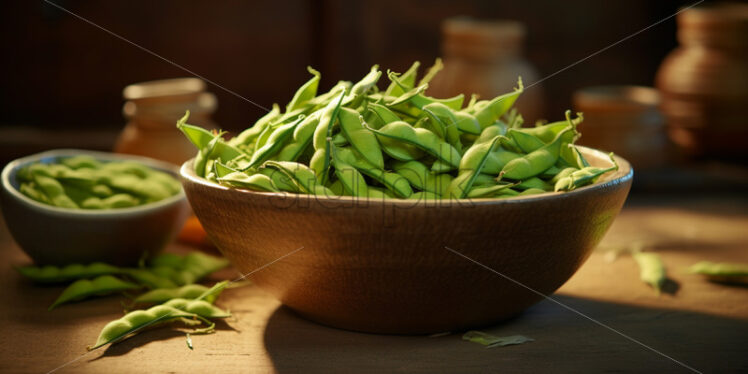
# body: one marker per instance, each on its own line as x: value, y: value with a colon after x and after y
x: 52, y: 235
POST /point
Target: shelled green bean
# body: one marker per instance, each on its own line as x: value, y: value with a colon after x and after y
x: 83, y: 182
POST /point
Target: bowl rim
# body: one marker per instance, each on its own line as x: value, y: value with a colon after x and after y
x: 624, y: 174
x: 14, y: 165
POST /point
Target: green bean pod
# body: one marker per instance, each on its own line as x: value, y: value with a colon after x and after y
x: 161, y: 295
x: 546, y: 133
x: 583, y: 177
x: 395, y: 183
x: 306, y: 92
x: 280, y: 180
x: 54, y: 274
x: 258, y: 182
x: 407, y: 81
x: 475, y: 156
x: 534, y: 162
x: 274, y: 143
x: 490, y: 191
x: 301, y: 175
x: 375, y: 193
x: 81, y: 162
x: 32, y: 191
x: 144, y: 188
x: 201, y: 138
x: 202, y: 265
x: 384, y: 114
x: 85, y: 288
x: 525, y: 142
x: 320, y: 161
x: 420, y: 177
x: 445, y: 120
x: 302, y: 137
x: 199, y: 307
x: 356, y: 95
x: 360, y: 138
x: 139, y: 319
x: 431, y: 73
x: 321, y: 101
x: 352, y: 180
x: 425, y: 195
x: 651, y: 269
x: 534, y: 183
x: 54, y: 192
x: 149, y: 279
x: 423, y: 139
x: 721, y: 271
x: 249, y: 136
x: 488, y: 113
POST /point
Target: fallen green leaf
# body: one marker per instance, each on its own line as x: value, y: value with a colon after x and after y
x: 491, y: 341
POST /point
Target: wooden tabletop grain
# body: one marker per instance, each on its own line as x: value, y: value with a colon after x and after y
x: 602, y: 320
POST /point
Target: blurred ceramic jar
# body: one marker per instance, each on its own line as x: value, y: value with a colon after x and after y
x: 485, y: 57
x: 152, y: 110
x: 704, y: 82
x: 624, y: 120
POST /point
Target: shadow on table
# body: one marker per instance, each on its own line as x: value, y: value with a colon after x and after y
x: 564, y: 342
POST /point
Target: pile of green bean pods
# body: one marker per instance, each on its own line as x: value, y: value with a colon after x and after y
x: 170, y: 282
x: 83, y: 182
x: 357, y: 140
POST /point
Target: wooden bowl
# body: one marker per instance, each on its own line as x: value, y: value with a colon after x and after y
x: 58, y: 236
x: 385, y: 266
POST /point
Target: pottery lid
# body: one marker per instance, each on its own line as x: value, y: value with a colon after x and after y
x: 719, y: 25
x: 482, y: 39
x: 164, y: 87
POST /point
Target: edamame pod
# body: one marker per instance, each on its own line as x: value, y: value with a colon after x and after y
x: 360, y: 138
x: 420, y: 177
x: 461, y: 185
x: 274, y: 143
x: 136, y: 320
x: 302, y: 137
x: 393, y: 182
x: 320, y: 161
x: 583, y: 177
x: 249, y: 136
x: 421, y: 138
x: 301, y: 175
x: 306, y: 92
x: 84, y: 288
x: 651, y: 269
x: 190, y: 291
x: 352, y: 180
x: 534, y: 162
x: 54, y: 274
x: 407, y: 81
x: 492, y: 110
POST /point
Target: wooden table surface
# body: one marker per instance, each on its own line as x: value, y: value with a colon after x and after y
x: 702, y: 325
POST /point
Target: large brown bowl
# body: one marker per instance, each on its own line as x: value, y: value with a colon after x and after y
x: 389, y: 266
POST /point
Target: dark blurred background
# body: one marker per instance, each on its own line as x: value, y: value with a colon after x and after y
x: 63, y: 73
x: 63, y: 77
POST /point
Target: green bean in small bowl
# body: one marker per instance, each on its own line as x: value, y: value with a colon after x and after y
x: 76, y: 206
x: 382, y: 209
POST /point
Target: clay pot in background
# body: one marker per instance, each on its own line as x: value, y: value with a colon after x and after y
x: 624, y: 120
x: 704, y: 82
x: 485, y: 57
x: 152, y: 110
